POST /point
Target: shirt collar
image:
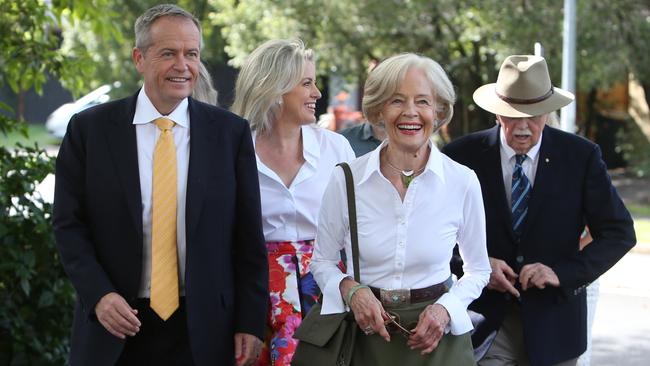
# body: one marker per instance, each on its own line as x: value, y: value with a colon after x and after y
x: 310, y: 145
x: 145, y: 112
x: 509, y: 152
x: 434, y: 164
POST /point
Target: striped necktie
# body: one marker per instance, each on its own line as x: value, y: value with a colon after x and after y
x: 164, y: 260
x: 520, y: 195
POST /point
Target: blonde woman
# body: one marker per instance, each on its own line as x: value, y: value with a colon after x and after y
x: 276, y: 92
x: 413, y: 205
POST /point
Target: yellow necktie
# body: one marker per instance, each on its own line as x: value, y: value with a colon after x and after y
x: 164, y: 259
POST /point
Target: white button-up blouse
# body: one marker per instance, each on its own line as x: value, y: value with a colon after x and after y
x: 291, y: 213
x: 405, y: 244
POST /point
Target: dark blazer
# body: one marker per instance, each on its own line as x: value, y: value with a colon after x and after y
x: 571, y: 189
x: 98, y: 228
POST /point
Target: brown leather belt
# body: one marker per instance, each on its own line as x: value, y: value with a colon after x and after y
x: 410, y: 296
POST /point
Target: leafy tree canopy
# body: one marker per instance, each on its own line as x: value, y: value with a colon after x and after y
x: 469, y: 38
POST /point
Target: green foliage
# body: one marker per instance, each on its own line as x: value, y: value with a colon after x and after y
x: 36, y: 299
x: 469, y: 38
x: 29, y: 47
x: 24, y: 37
x: 9, y: 124
x: 28, y: 134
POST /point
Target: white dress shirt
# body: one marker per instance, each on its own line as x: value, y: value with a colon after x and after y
x: 508, y: 163
x: 147, y: 134
x: 405, y: 244
x: 291, y: 213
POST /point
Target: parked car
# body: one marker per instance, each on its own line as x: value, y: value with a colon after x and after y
x: 57, y: 122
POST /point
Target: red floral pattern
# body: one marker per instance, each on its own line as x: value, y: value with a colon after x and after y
x: 292, y: 292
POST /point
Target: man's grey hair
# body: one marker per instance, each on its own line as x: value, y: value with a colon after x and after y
x: 145, y: 21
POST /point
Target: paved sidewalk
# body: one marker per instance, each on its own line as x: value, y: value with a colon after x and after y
x: 621, y: 332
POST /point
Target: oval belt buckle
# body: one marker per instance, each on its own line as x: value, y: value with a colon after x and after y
x: 395, y: 297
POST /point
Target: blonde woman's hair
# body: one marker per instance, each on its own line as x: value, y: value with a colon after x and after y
x: 270, y: 71
x: 385, y: 78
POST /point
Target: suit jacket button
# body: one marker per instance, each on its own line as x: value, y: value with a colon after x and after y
x: 520, y: 259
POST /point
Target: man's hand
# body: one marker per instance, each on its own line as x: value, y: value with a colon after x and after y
x: 115, y: 314
x: 247, y: 349
x: 430, y: 329
x: 502, y: 278
x: 537, y: 275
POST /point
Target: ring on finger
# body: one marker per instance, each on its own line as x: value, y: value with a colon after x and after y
x: 368, y: 330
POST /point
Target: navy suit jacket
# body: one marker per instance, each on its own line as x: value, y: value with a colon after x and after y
x: 571, y: 189
x: 98, y: 228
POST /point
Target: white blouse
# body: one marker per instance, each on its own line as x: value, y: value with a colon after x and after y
x: 407, y: 244
x: 291, y: 213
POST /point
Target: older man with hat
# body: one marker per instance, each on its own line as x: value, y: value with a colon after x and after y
x: 540, y: 186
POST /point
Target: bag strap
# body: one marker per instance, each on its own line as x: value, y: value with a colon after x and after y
x: 352, y: 214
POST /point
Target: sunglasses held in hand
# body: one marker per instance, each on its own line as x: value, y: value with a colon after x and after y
x: 393, y: 325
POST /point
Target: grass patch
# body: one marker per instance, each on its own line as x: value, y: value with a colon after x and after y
x: 642, y: 228
x: 36, y: 133
x: 638, y: 210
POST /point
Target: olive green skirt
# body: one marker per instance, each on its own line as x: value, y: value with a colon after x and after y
x: 373, y: 350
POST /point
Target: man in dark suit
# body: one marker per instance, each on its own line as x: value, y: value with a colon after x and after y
x: 157, y: 217
x: 540, y: 187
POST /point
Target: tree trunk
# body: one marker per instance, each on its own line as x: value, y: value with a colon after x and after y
x: 20, y: 108
x: 591, y: 113
x: 645, y: 84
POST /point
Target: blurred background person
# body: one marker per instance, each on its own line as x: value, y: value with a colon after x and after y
x: 276, y: 92
x: 204, y: 91
x: 413, y: 205
x: 364, y: 137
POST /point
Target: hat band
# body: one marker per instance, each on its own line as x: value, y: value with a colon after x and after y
x: 525, y: 101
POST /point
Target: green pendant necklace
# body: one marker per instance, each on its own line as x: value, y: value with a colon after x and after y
x: 406, y: 175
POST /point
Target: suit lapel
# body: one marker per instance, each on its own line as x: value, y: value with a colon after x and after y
x: 495, y: 186
x: 122, y: 143
x: 200, y: 150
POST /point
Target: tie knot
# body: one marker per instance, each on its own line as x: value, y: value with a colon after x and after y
x: 164, y: 124
x: 520, y: 158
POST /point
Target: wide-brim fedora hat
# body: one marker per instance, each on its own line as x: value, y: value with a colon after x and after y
x: 523, y: 89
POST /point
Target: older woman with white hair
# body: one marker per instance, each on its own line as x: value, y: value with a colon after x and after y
x: 276, y: 91
x: 413, y: 205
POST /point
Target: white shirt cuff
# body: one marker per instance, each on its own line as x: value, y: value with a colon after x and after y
x: 332, y: 300
x: 460, y: 322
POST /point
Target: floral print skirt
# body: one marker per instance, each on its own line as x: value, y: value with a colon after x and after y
x: 293, y: 291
